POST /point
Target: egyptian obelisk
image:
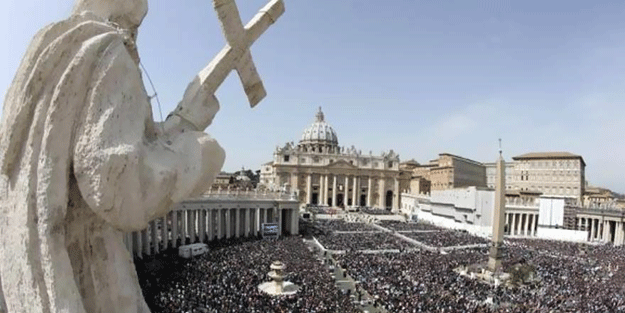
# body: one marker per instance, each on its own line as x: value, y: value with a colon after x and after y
x: 499, y: 216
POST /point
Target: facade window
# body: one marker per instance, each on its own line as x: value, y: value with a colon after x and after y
x: 286, y: 158
x: 390, y: 164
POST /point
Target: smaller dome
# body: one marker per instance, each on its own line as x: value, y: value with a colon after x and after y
x: 319, y: 132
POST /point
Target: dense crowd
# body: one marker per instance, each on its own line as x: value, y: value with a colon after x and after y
x: 340, y: 225
x: 411, y: 226
x: 363, y: 241
x: 446, y: 238
x: 570, y: 278
x: 226, y: 279
x: 375, y: 211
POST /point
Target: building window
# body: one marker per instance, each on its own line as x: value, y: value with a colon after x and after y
x: 390, y: 164
x: 286, y: 158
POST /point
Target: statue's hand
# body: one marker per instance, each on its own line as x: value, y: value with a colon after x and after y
x: 196, y: 110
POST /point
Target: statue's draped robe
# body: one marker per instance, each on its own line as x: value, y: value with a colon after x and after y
x: 81, y: 164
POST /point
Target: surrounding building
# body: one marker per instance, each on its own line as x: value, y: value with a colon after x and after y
x: 544, y: 173
x: 322, y: 173
x: 447, y: 172
x: 239, y: 180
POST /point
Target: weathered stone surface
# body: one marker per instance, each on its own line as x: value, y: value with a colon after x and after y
x: 82, y: 161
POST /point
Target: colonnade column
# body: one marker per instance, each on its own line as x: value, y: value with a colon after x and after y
x: 334, y: 191
x: 618, y: 238
x: 164, y: 231
x: 174, y: 229
x: 154, y: 237
x: 237, y: 222
x: 219, y: 224
x: 513, y: 224
x: 202, y: 227
x: 369, y: 191
x: 525, y: 224
x: 248, y: 226
x: 136, y: 244
x: 211, y: 225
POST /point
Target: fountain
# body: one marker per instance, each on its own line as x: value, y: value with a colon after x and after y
x: 278, y: 287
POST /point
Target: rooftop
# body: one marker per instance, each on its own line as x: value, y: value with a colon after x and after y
x: 549, y: 155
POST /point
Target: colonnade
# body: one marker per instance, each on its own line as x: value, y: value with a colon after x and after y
x: 186, y: 225
x: 349, y: 190
x: 602, y: 228
x: 522, y: 223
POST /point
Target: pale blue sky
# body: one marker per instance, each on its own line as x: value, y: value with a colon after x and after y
x: 419, y: 77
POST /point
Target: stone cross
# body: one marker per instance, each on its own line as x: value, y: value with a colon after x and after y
x: 236, y: 54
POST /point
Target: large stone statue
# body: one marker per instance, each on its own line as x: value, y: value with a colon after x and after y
x: 82, y: 161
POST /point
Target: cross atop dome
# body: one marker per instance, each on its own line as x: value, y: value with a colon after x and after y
x: 320, y: 117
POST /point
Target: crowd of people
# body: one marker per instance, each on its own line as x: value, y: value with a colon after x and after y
x: 570, y: 278
x: 340, y: 225
x: 362, y: 241
x: 375, y: 211
x: 411, y: 226
x: 446, y: 238
x: 226, y: 279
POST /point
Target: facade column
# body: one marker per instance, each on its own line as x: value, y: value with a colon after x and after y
x: 320, y: 197
x: 579, y: 223
x: 519, y: 224
x: 334, y: 191
x: 381, y: 195
x: 308, y: 188
x: 354, y: 192
x: 325, y: 189
x: 369, y: 192
x: 606, y: 231
x: 591, y: 229
x: 513, y: 224
x: 396, y: 195
x: 346, y: 191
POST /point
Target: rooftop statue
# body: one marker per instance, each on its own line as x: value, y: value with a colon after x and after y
x: 82, y: 160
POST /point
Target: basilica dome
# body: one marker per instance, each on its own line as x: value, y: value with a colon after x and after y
x: 320, y: 136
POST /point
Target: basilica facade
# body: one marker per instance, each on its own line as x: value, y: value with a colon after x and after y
x: 320, y: 172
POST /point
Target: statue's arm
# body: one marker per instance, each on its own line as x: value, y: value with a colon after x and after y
x: 125, y: 175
